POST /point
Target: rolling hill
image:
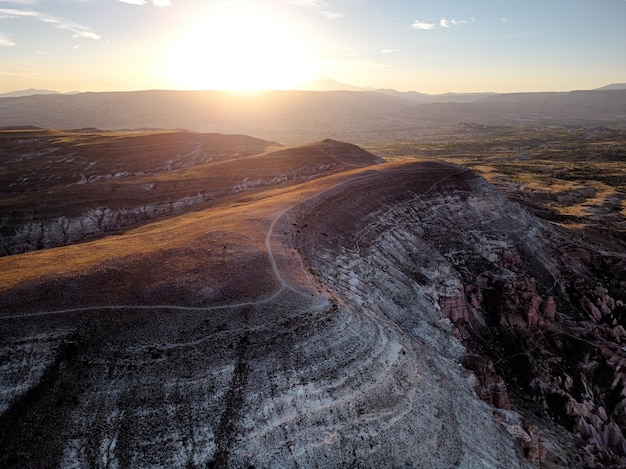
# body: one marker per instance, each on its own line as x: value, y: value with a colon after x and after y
x: 325, y: 308
x: 60, y: 187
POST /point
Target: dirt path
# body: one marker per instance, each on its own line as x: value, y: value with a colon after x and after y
x: 284, y: 284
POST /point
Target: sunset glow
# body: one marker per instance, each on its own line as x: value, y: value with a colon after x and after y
x: 427, y: 46
x: 239, y: 49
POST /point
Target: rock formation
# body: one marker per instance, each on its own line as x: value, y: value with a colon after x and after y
x: 404, y: 314
x: 530, y: 308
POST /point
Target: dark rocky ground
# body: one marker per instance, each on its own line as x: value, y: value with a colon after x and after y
x: 407, y: 314
x: 541, y: 316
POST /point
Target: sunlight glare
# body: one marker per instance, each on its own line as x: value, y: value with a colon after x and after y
x: 239, y: 49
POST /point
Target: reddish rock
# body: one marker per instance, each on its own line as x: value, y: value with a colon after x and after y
x: 589, y: 308
x: 490, y: 386
x: 534, y: 449
x: 601, y: 412
x: 603, y: 306
x: 532, y: 310
x: 474, y: 296
x: 548, y: 308
x: 454, y: 308
x: 517, y: 320
x: 618, y: 333
x: 511, y: 259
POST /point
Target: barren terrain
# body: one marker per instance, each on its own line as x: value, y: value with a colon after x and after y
x: 99, y: 182
x: 299, y: 117
x: 321, y: 308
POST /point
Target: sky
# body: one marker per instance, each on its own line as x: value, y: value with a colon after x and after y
x: 431, y: 46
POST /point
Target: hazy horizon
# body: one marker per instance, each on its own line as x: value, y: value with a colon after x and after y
x: 427, y: 46
x: 320, y: 84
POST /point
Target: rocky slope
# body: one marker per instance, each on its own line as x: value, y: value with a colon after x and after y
x: 62, y: 187
x: 401, y: 314
x: 541, y: 317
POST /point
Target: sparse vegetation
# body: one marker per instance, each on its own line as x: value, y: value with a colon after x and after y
x: 310, y: 296
x: 575, y: 177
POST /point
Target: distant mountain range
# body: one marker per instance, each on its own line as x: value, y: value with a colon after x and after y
x: 614, y: 86
x: 293, y: 117
x: 28, y: 92
x: 328, y: 84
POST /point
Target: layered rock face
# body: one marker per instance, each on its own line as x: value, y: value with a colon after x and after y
x: 58, y: 188
x: 300, y: 368
x: 400, y: 315
x: 541, y: 317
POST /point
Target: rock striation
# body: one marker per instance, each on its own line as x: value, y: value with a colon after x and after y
x: 541, y: 327
x: 97, y: 183
x: 402, y: 314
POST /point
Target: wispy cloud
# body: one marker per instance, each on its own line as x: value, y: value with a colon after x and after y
x: 443, y: 23
x: 156, y: 3
x: 22, y: 2
x: 4, y: 42
x: 389, y: 51
x: 332, y: 15
x: 503, y: 20
x: 417, y: 24
x: 77, y: 30
x: 320, y: 5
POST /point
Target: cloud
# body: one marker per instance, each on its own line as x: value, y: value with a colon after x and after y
x: 389, y: 51
x: 156, y: 3
x: 78, y: 30
x: 443, y: 23
x: 503, y: 20
x: 424, y: 26
x: 21, y: 2
x: 320, y: 5
x: 332, y: 15
x: 12, y: 13
x: 4, y: 42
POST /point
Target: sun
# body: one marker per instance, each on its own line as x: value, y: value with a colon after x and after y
x: 239, y: 49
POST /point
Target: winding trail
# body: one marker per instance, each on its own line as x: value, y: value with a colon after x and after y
x: 332, y: 367
x: 284, y: 285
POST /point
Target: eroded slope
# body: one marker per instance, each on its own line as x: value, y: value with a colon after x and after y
x: 62, y: 187
x: 542, y: 311
x: 401, y: 314
x: 207, y: 339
